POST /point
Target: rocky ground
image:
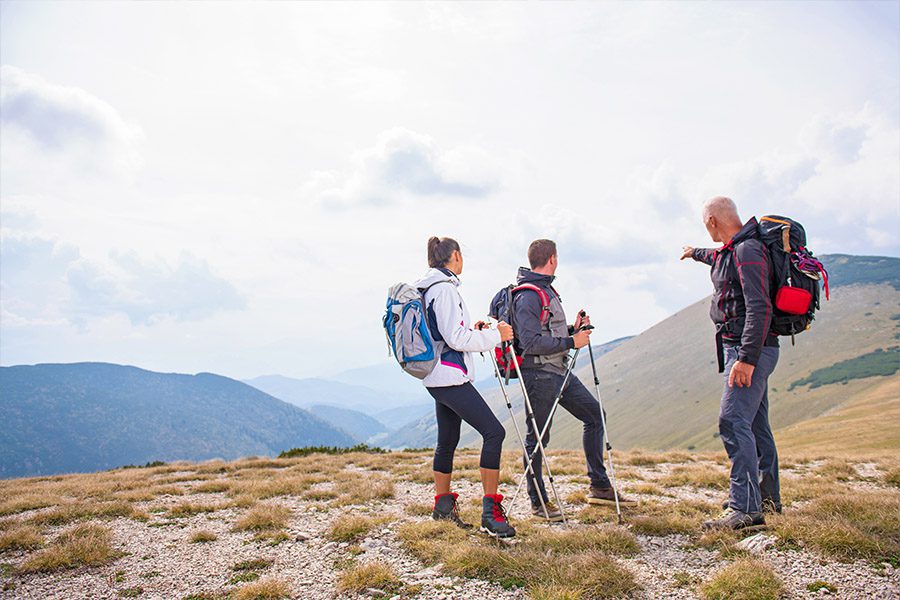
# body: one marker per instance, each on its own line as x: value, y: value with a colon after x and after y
x: 154, y: 556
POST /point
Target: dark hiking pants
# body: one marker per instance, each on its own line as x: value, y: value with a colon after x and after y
x: 457, y: 403
x: 542, y: 387
x: 744, y: 427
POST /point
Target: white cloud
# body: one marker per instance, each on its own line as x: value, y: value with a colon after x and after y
x: 148, y: 291
x: 404, y: 164
x: 840, y: 178
x: 588, y: 239
x: 49, y: 282
x: 51, y: 122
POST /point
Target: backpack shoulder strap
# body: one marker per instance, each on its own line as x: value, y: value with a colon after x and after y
x: 545, y: 299
x: 425, y: 289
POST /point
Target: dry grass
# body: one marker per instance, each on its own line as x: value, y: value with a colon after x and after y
x: 861, y: 525
x: 722, y: 540
x: 591, y: 574
x: 360, y: 488
x: 427, y: 540
x: 255, y: 564
x: 577, y: 497
x: 700, y: 475
x: 264, y: 589
x: 837, y: 470
x: 320, y: 494
x: 348, y: 528
x: 261, y: 484
x: 202, y: 536
x: 21, y: 537
x: 745, y: 579
x: 376, y: 575
x: 419, y: 509
x: 27, y: 502
x: 80, y: 511
x: 892, y: 477
x: 265, y: 517
x: 645, y: 458
x: 549, y: 563
x: 212, y: 487
x: 606, y: 540
x: 83, y: 545
x: 672, y: 518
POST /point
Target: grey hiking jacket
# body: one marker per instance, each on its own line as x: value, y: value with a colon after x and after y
x: 542, y: 345
x: 451, y: 326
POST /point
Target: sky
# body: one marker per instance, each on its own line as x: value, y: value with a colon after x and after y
x: 232, y: 187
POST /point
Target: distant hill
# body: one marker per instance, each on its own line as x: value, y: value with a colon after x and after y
x: 359, y: 397
x: 845, y: 269
x: 60, y: 418
x: 359, y: 425
x: 661, y: 390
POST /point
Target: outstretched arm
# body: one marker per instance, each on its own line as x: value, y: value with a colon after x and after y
x: 704, y: 255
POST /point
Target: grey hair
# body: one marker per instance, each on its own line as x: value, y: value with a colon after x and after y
x: 721, y: 207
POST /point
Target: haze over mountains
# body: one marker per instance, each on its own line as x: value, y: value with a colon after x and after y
x: 91, y: 416
x: 660, y: 390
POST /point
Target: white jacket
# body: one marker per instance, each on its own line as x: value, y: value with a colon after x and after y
x: 445, y: 307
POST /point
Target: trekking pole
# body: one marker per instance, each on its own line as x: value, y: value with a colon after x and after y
x: 530, y: 468
x: 612, y: 473
x: 542, y: 433
x: 529, y: 414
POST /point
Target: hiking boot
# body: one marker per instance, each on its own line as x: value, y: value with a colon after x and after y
x: 445, y: 509
x: 493, y: 518
x: 735, y: 519
x: 553, y: 515
x: 769, y: 506
x: 599, y: 495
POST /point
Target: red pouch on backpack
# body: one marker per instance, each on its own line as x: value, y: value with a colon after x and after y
x: 793, y: 300
x: 504, y: 364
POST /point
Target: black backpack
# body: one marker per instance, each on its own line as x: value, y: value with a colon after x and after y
x: 501, y: 309
x: 795, y: 275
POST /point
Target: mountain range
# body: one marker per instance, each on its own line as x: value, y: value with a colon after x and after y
x: 660, y: 389
x: 89, y: 416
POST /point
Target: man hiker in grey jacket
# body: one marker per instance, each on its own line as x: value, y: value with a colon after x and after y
x: 543, y: 339
x: 748, y: 352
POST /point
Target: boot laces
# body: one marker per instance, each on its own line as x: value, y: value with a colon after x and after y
x: 727, y: 513
x: 454, y: 512
x: 499, y: 513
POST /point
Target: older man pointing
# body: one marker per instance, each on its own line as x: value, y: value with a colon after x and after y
x: 748, y: 352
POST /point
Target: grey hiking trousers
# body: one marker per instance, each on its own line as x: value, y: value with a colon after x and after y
x: 744, y: 427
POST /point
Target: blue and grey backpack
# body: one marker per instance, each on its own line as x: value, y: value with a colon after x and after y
x: 406, y: 327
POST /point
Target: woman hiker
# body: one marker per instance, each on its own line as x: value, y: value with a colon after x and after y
x: 450, y: 384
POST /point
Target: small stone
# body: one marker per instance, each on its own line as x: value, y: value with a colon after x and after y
x: 757, y: 544
x: 374, y: 592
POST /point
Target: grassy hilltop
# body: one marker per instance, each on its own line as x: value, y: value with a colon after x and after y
x: 322, y: 526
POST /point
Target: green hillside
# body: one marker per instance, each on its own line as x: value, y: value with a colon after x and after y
x: 661, y: 389
x: 89, y: 416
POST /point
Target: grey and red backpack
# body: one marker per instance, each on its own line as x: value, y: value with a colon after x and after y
x: 501, y: 309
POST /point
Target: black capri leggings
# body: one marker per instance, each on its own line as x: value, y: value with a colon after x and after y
x: 458, y: 403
